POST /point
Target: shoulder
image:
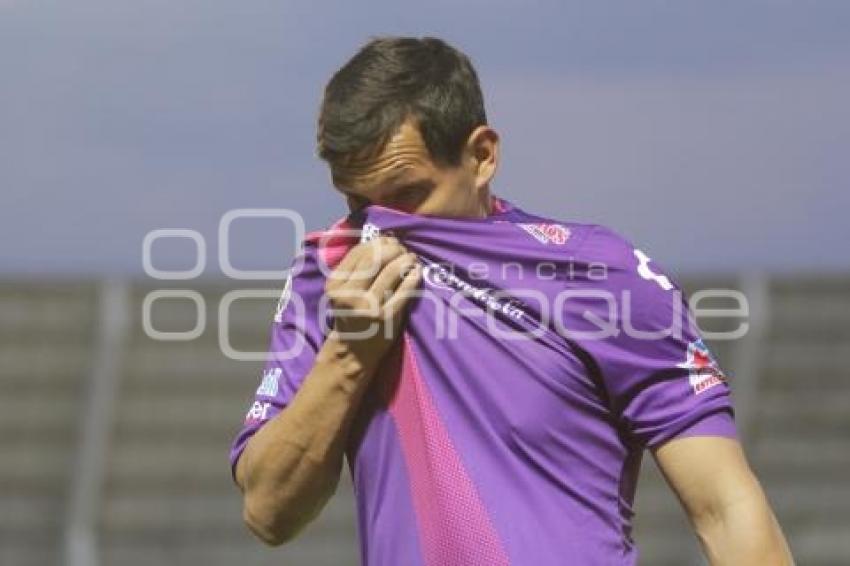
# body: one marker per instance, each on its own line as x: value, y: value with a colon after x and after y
x: 589, y: 242
x: 631, y: 267
x: 613, y: 260
x: 604, y: 244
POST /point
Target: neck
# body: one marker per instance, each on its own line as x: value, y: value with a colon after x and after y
x: 485, y: 203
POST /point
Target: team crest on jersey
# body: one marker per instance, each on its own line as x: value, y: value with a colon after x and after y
x: 547, y: 233
x: 703, y: 370
x: 369, y: 232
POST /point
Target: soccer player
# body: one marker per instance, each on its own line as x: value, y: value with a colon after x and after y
x: 492, y: 376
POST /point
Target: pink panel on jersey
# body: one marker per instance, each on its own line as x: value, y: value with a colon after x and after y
x: 332, y: 245
x: 455, y: 529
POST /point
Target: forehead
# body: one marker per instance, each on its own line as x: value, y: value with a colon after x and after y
x: 402, y: 156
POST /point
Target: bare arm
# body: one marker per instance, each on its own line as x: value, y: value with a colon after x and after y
x: 724, y: 501
x: 291, y: 466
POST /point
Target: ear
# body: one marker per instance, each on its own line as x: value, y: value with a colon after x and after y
x: 482, y: 154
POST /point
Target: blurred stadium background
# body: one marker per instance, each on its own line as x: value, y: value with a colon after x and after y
x: 715, y: 134
x: 115, y: 442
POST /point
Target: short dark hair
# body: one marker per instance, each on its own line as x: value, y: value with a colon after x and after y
x: 392, y: 79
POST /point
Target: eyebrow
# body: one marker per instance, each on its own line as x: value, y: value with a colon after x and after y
x: 396, y: 177
x: 415, y: 184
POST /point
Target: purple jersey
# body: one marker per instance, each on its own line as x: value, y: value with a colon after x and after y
x: 540, y: 360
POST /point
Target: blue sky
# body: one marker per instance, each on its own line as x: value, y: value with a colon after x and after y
x: 714, y: 134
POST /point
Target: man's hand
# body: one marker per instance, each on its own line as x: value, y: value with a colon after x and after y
x: 724, y: 501
x: 368, y: 292
x: 291, y: 466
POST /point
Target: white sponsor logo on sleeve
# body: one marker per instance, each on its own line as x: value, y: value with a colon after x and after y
x: 284, y: 299
x: 258, y: 411
x: 646, y: 272
x: 269, y: 385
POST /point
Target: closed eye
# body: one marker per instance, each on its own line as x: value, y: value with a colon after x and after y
x: 409, y: 196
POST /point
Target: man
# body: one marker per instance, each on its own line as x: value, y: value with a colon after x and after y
x: 477, y: 447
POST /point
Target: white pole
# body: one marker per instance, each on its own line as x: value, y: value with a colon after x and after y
x: 749, y: 352
x: 87, y: 479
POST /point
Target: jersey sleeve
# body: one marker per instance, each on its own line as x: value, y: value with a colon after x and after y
x: 295, y: 336
x: 660, y: 378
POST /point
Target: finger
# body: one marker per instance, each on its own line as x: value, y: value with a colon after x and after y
x: 374, y: 256
x: 340, y: 271
x: 406, y: 290
x: 392, y: 275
